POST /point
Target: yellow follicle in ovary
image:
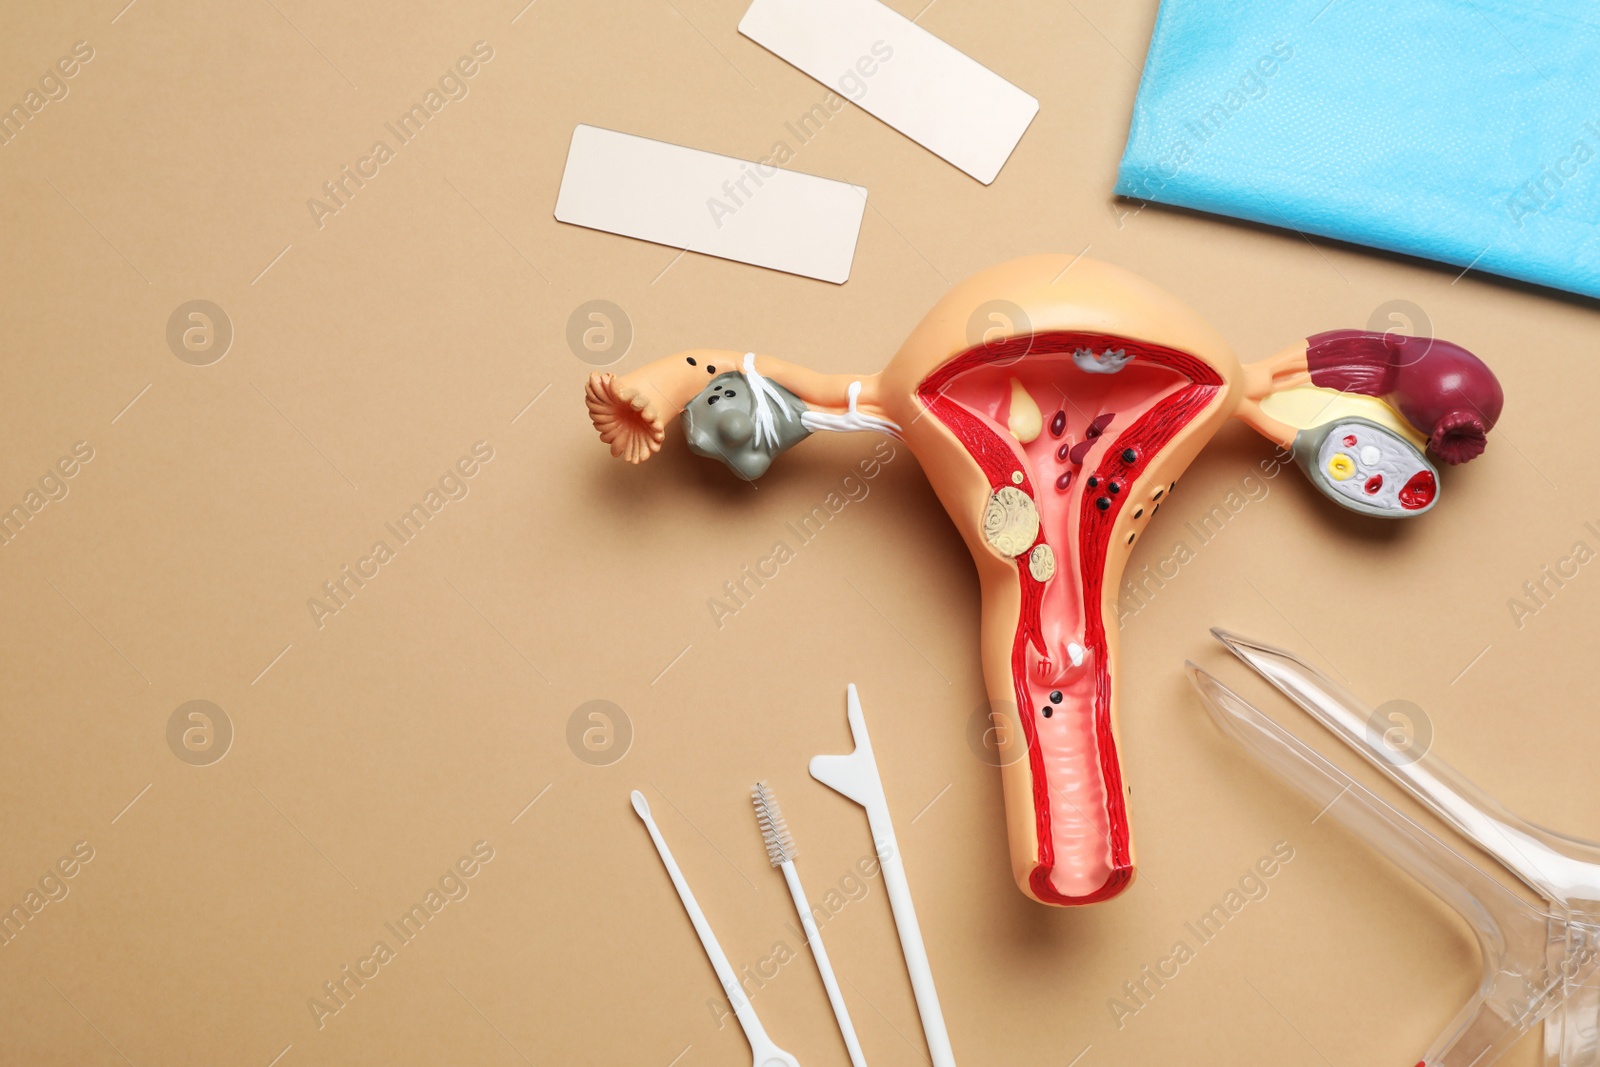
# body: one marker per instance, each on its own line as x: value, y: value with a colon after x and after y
x: 1025, y: 420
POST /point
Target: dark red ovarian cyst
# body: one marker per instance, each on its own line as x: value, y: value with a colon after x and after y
x: 1058, y: 424
x: 1064, y: 481
x: 1374, y: 483
x: 1419, y: 491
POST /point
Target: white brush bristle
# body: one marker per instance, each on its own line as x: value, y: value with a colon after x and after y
x: 780, y: 846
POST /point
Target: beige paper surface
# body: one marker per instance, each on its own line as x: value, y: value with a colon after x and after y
x: 404, y: 364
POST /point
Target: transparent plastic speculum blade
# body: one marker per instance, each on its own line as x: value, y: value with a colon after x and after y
x: 1538, y: 962
x: 1559, y: 868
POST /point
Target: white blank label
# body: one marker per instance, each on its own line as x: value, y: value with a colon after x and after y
x: 939, y: 97
x: 736, y: 209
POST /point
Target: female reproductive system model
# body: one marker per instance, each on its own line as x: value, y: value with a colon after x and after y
x: 1052, y: 445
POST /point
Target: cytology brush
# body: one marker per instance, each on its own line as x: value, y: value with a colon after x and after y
x: 856, y: 776
x: 781, y: 852
x: 767, y: 1054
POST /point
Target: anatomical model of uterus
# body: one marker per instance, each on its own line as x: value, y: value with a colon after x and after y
x: 1052, y: 445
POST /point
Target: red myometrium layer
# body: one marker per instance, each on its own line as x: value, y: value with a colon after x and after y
x: 997, y: 457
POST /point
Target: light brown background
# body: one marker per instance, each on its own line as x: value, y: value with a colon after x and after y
x: 371, y: 753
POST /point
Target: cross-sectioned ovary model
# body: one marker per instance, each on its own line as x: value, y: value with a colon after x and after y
x: 1052, y: 440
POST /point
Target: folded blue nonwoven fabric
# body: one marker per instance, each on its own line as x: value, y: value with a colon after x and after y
x: 1466, y: 131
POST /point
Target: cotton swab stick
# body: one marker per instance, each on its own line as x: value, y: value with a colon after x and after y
x: 781, y: 852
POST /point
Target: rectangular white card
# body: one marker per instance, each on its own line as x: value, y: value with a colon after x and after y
x: 752, y: 212
x: 939, y: 97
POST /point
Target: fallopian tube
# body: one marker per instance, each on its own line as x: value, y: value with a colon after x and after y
x: 1052, y: 444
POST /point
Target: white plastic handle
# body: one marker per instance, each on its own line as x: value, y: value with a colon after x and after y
x: 856, y: 776
x: 841, y: 1013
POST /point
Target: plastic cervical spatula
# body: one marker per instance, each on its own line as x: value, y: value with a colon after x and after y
x: 766, y: 1052
x: 856, y: 776
x: 1539, y: 963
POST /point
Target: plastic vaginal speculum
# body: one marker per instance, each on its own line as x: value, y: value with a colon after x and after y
x: 1053, y: 448
x: 1541, y: 963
